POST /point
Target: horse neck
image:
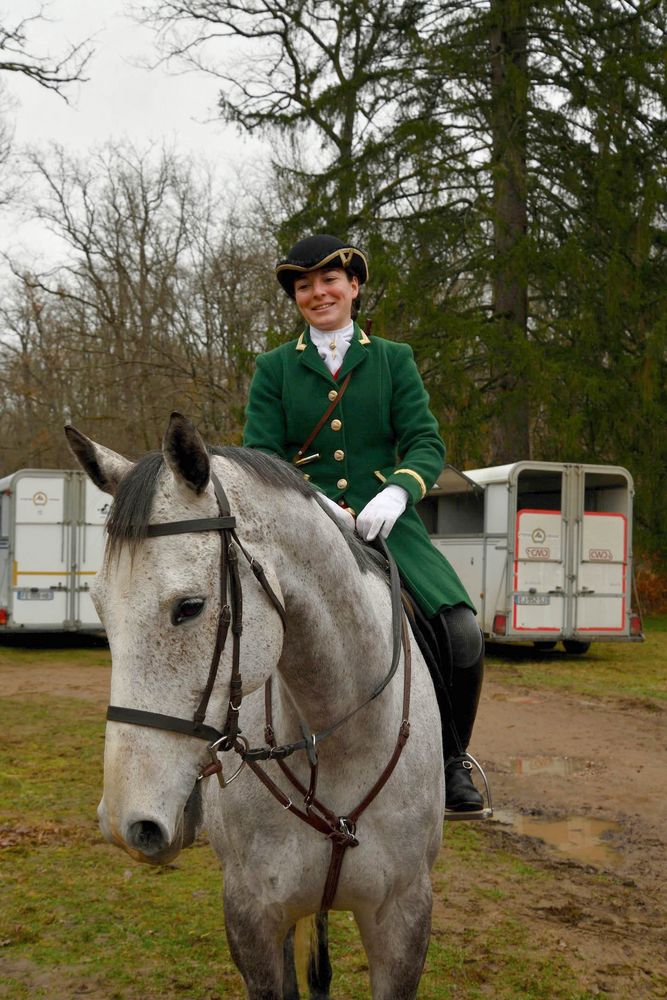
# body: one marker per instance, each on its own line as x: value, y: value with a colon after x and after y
x: 338, y: 638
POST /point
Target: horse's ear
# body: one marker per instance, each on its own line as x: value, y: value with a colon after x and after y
x: 106, y: 468
x: 186, y: 454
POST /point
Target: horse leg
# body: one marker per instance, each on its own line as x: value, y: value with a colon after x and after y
x: 396, y: 939
x: 256, y: 944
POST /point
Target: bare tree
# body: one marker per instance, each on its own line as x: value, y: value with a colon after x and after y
x: 163, y: 298
x: 55, y: 73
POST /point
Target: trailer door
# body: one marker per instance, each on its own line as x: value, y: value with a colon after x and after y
x: 538, y: 598
x: 90, y: 546
x: 600, y: 574
x: 41, y: 565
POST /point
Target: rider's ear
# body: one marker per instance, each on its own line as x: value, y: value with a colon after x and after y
x: 106, y: 468
x: 186, y: 454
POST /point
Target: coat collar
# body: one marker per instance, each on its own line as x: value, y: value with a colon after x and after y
x: 355, y: 354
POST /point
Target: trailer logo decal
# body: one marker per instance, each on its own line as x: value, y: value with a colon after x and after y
x: 40, y: 499
x: 600, y: 555
x: 539, y: 536
x: 538, y: 552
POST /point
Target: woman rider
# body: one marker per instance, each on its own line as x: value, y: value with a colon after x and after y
x: 375, y: 456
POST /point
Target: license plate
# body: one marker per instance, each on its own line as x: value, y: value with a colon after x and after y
x: 540, y: 599
x: 34, y: 595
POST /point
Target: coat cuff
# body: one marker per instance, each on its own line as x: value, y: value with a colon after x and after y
x: 411, y: 482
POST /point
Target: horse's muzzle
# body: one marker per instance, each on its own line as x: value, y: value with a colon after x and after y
x: 147, y: 838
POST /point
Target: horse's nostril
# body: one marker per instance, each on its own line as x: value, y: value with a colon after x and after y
x: 147, y: 837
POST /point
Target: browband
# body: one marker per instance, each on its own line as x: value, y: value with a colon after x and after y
x: 197, y: 524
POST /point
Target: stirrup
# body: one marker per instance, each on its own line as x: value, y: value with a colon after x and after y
x: 486, y: 812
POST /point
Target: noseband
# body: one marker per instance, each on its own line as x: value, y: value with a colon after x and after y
x: 339, y: 829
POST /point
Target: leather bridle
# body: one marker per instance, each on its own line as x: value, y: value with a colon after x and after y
x: 230, y: 616
x: 339, y: 829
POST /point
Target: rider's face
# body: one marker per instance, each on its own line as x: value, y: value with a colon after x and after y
x: 325, y: 297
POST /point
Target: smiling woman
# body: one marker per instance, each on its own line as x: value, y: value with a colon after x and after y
x: 325, y: 298
x: 372, y: 456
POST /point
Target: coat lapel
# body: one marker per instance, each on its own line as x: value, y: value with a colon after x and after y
x: 356, y: 353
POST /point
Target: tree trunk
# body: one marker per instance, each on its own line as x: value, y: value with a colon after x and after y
x: 509, y: 116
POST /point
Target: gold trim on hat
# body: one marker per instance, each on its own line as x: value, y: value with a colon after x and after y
x: 350, y: 251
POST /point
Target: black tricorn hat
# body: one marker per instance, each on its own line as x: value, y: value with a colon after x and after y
x: 315, y: 252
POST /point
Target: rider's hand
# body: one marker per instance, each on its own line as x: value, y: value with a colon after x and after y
x: 342, y: 514
x: 381, y: 513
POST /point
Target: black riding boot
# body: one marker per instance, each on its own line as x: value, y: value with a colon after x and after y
x: 461, y: 793
x: 461, y: 648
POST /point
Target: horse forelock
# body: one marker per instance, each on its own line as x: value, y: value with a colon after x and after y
x: 134, y: 500
x: 132, y: 506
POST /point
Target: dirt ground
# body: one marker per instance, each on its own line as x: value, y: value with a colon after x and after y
x: 608, y: 916
x: 566, y: 765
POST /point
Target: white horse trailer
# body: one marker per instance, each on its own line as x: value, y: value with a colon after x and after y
x: 51, y: 542
x: 543, y: 548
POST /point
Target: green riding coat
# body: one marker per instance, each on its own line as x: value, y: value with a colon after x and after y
x: 381, y: 432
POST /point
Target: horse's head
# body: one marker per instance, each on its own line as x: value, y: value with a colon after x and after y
x: 158, y: 596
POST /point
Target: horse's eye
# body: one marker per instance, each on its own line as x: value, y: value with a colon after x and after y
x: 190, y: 607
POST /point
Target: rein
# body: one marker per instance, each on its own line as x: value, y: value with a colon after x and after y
x: 339, y: 829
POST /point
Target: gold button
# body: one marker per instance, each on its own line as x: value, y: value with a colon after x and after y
x: 341, y: 484
x: 332, y: 394
x: 336, y: 425
x: 339, y: 455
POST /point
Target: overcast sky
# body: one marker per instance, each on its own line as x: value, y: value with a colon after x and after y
x: 122, y: 99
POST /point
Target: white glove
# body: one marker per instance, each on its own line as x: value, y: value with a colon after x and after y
x: 340, y: 513
x: 382, y: 512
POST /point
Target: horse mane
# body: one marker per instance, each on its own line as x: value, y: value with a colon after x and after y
x: 132, y: 506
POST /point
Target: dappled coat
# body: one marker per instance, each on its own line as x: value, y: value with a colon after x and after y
x: 381, y: 432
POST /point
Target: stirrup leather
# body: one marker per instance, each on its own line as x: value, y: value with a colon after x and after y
x: 460, y: 815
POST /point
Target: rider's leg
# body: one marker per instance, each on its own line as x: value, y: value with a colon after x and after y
x: 461, y: 647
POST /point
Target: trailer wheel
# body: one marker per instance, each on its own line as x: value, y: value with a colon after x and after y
x: 544, y: 646
x: 575, y: 647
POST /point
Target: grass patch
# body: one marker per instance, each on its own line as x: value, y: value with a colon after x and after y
x: 17, y: 654
x: 476, y: 957
x: 617, y: 670
x: 78, y: 917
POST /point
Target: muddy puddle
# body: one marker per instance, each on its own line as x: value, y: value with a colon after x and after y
x: 561, y: 766
x: 581, y: 838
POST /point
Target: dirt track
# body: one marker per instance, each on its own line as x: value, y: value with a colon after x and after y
x: 608, y: 914
x: 614, y: 929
